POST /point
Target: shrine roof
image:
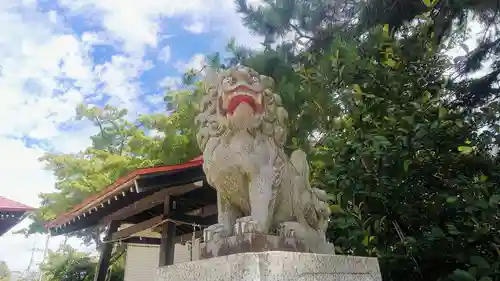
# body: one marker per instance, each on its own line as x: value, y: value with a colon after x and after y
x: 7, y: 205
x: 123, y: 187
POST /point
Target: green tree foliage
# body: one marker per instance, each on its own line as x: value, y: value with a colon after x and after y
x: 415, y: 181
x: 314, y: 22
x: 415, y: 176
x: 4, y: 272
x: 67, y: 264
x: 119, y: 147
x: 451, y: 20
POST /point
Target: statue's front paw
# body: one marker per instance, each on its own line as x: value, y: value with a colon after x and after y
x: 214, y: 232
x: 290, y: 229
x: 247, y: 225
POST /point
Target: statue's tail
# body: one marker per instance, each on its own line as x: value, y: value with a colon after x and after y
x: 318, y: 196
x: 299, y: 162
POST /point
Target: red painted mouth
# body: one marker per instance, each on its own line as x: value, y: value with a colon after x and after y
x: 239, y: 99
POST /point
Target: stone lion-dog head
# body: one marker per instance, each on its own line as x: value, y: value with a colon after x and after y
x: 240, y: 99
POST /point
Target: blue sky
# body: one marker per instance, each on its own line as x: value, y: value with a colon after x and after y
x: 55, y: 54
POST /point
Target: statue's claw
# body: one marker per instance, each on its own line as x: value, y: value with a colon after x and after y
x: 214, y: 232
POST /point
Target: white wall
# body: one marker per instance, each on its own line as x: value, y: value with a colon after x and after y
x: 142, y: 260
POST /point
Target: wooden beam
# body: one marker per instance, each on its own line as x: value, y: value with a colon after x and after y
x: 107, y: 248
x: 123, y: 233
x: 181, y: 189
x: 157, y: 241
x: 167, y: 236
x: 148, y: 202
x: 171, y: 178
x: 190, y: 219
x: 204, y: 211
x: 143, y: 240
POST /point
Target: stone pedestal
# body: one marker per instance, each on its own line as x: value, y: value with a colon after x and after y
x: 251, y: 242
x: 274, y: 266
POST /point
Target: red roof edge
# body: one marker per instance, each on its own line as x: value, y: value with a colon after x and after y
x: 116, y: 187
x: 7, y: 205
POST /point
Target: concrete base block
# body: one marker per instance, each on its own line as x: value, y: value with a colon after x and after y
x: 274, y: 266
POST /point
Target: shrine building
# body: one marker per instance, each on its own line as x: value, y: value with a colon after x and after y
x: 11, y: 213
x: 154, y: 211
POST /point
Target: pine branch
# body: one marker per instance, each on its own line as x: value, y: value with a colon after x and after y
x: 300, y: 33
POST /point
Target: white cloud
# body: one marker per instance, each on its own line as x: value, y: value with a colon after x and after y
x: 23, y: 178
x: 171, y: 83
x: 120, y: 79
x: 34, y: 59
x: 164, y: 54
x: 137, y: 24
x: 195, y: 27
x: 45, y: 72
x: 96, y: 38
x: 197, y: 62
x: 40, y: 63
x: 22, y: 161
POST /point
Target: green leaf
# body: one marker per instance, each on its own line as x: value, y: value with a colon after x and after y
x: 385, y: 30
x: 367, y: 240
x: 357, y: 88
x: 465, y: 149
x: 452, y: 229
x: 336, y: 209
x: 451, y: 199
x: 472, y: 270
x: 409, y: 119
x: 483, y: 178
x: 482, y: 204
x: 422, y: 132
x: 338, y: 197
x: 437, y: 232
x: 426, y: 96
x: 461, y: 275
x: 357, y: 91
x: 382, y: 140
x: 494, y: 200
x: 479, y: 261
x: 390, y: 62
x: 442, y: 112
x: 485, y: 278
x: 430, y: 3
x: 407, y: 164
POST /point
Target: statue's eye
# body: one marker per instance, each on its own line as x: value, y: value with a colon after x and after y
x: 227, y: 80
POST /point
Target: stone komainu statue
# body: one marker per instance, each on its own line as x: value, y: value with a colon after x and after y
x: 242, y: 133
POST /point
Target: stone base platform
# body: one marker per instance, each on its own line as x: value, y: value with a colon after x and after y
x: 251, y: 242
x: 274, y: 266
